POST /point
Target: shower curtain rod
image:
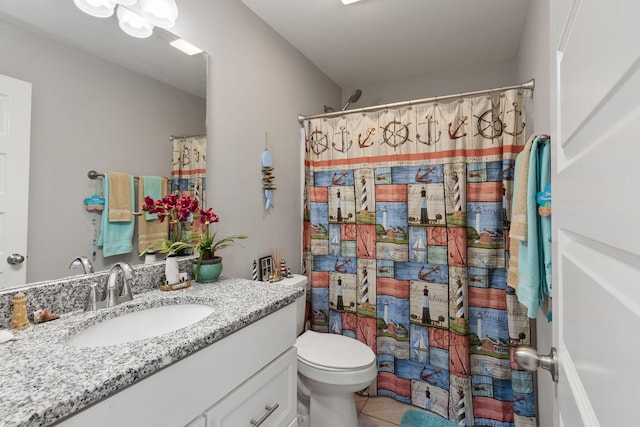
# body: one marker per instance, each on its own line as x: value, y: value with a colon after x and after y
x: 172, y: 137
x: 526, y: 85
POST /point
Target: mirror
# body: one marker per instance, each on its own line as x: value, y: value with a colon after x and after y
x: 101, y: 100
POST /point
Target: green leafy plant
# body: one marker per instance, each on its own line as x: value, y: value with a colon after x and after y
x: 181, y: 210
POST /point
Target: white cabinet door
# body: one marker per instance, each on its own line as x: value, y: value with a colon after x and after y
x: 596, y: 304
x: 198, y: 422
x: 15, y: 140
x: 267, y: 399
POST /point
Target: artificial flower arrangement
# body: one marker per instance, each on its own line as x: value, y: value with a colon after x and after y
x: 181, y: 210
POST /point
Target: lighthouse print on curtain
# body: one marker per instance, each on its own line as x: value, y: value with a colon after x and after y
x: 406, y: 221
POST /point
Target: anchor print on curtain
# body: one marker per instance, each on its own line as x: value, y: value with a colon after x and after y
x: 406, y: 221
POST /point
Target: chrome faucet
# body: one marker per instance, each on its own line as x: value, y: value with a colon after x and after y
x: 87, y: 267
x: 112, y: 298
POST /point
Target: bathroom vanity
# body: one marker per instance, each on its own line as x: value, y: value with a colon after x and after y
x: 233, y: 367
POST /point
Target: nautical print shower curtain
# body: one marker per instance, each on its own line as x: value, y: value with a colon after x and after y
x: 406, y: 222
x: 189, y: 167
x: 188, y: 173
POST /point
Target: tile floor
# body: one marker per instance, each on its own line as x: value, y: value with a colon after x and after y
x: 379, y: 411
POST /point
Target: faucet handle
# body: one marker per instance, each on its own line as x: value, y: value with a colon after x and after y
x: 92, y: 299
x: 126, y: 294
x: 129, y: 277
x: 112, y: 296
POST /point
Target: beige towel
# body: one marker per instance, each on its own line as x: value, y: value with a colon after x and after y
x: 513, y: 277
x: 518, y: 229
x: 119, y: 197
x: 519, y: 223
x: 150, y: 231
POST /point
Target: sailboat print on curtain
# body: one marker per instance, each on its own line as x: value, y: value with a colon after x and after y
x: 406, y: 219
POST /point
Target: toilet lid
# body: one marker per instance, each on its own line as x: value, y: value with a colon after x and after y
x: 333, y: 351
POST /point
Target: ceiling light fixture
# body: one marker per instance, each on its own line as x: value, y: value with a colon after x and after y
x: 135, y: 17
x: 185, y: 47
x: 161, y: 13
x: 349, y: 1
x: 97, y: 8
x: 133, y: 24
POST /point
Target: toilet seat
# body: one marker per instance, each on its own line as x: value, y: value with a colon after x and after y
x: 331, y: 352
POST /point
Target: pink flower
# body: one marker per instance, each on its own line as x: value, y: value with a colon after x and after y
x: 208, y: 216
x: 178, y: 209
x: 181, y: 210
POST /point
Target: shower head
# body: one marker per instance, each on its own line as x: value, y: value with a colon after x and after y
x: 353, y: 98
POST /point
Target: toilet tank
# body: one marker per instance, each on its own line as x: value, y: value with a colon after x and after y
x: 299, y: 281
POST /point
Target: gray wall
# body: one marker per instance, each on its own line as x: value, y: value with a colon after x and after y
x: 86, y: 114
x: 437, y: 83
x: 534, y: 60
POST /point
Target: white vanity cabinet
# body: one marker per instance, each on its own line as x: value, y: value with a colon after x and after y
x: 229, y: 383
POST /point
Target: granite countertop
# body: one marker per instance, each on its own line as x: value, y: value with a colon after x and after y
x: 44, y: 379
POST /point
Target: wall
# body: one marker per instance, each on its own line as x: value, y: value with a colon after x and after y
x: 258, y: 83
x: 534, y: 60
x: 438, y: 83
x: 86, y: 114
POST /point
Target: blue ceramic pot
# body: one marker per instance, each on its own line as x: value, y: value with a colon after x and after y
x: 209, y: 270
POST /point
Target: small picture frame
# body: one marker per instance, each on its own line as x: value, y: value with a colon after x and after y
x: 265, y: 268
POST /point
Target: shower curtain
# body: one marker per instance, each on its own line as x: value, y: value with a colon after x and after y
x: 406, y: 222
x: 188, y: 174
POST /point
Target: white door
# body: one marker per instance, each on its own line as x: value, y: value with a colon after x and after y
x: 15, y: 137
x: 596, y: 210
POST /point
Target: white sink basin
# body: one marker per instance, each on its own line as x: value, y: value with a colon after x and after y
x: 139, y: 325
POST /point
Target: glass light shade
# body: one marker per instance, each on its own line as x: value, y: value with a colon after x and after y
x: 161, y: 13
x: 133, y: 24
x: 126, y: 2
x: 97, y: 8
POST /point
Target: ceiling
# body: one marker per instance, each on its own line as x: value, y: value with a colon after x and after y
x: 377, y: 40
x: 359, y: 44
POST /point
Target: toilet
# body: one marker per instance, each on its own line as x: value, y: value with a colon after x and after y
x: 331, y: 368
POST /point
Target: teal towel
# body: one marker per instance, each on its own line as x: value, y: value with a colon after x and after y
x: 545, y: 221
x: 417, y: 418
x: 153, y: 188
x: 115, y: 237
x: 534, y: 261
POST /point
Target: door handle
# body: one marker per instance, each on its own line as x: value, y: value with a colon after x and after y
x: 14, y: 259
x: 528, y: 358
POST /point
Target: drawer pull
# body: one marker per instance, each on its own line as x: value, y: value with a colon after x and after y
x: 270, y: 410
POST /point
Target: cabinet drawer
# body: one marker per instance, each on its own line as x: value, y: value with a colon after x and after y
x: 273, y: 387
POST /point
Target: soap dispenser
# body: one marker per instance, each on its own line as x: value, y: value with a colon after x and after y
x: 20, y: 320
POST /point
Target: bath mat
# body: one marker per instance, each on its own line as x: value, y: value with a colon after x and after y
x: 416, y: 418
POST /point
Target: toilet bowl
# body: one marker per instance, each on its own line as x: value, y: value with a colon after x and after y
x: 331, y: 368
